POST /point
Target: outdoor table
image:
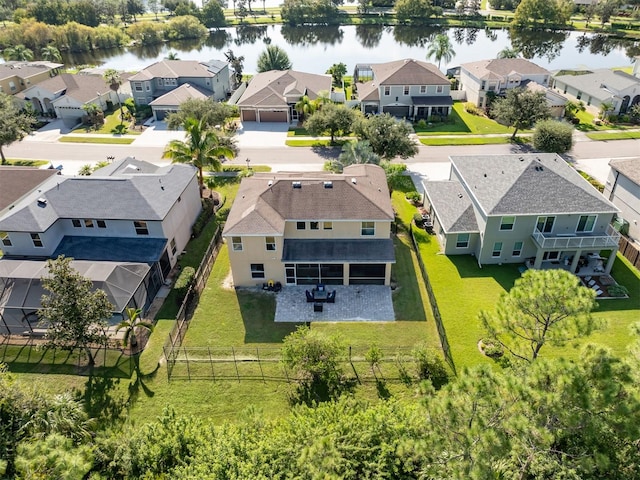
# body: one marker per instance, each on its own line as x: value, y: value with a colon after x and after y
x: 320, y: 295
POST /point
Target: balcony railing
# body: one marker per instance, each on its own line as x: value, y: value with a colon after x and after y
x: 582, y: 241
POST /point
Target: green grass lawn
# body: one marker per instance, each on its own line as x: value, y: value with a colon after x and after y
x: 103, y: 140
x: 315, y: 143
x: 16, y: 162
x: 461, y: 122
x: 464, y: 140
x: 603, y: 136
x: 111, y: 121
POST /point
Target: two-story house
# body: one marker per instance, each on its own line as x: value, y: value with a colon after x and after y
x: 310, y: 228
x: 498, y: 75
x: 17, y: 76
x: 623, y: 189
x: 149, y: 85
x: 271, y: 96
x: 130, y: 212
x: 407, y: 88
x: 516, y: 208
x: 594, y: 88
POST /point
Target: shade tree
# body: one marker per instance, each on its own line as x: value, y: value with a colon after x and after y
x: 332, y: 119
x: 14, y: 124
x: 388, y: 137
x: 553, y: 136
x: 520, y: 109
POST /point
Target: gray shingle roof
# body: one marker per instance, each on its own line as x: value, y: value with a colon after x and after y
x: 178, y: 69
x: 270, y: 89
x: 541, y: 183
x: 408, y: 72
x: 501, y: 67
x: 597, y: 83
x: 336, y: 250
x: 629, y: 167
x: 121, y: 196
x: 261, y: 209
x: 452, y: 206
x: 181, y: 94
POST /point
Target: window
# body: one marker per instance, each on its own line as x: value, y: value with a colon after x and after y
x: 76, y: 223
x: 12, y: 86
x: 327, y: 225
x: 368, y: 228
x: 301, y: 225
x: 545, y: 224
x: 170, y: 82
x: 314, y: 225
x: 506, y: 223
x: 439, y: 89
x: 37, y: 241
x: 4, y: 237
x: 138, y: 87
x: 482, y: 86
x: 406, y: 90
x: 257, y: 270
x: 173, y: 246
x: 586, y: 223
x: 423, y: 89
x: 579, y: 95
x: 462, y: 241
x: 88, y: 223
x: 236, y: 244
x: 270, y: 242
x: 497, y: 249
x: 141, y: 227
x: 387, y: 90
x: 517, y: 249
x: 101, y: 223
x: 147, y: 86
x: 159, y: 82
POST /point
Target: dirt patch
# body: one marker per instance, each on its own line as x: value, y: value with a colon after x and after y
x: 227, y: 283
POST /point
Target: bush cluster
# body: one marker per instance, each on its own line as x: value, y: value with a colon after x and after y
x: 184, y: 281
x: 204, y: 217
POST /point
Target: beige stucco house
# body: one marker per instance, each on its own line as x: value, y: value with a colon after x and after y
x: 531, y: 208
x: 17, y: 76
x: 310, y: 228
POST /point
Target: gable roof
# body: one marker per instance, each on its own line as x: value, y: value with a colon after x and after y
x: 629, y: 167
x: 452, y: 206
x: 497, y: 68
x: 266, y: 201
x: 26, y: 69
x: 528, y: 184
x: 408, y: 72
x: 271, y: 89
x: 181, y: 94
x: 600, y: 82
x: 179, y: 68
x: 120, y: 196
x: 15, y: 182
x: 82, y: 88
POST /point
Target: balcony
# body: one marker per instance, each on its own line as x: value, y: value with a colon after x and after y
x: 577, y: 241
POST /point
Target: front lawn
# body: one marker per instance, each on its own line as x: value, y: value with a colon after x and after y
x: 465, y: 140
x: 102, y: 140
x: 111, y: 121
x: 603, y: 136
x: 462, y: 122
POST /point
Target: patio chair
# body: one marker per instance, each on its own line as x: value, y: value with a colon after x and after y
x: 598, y: 292
x: 591, y: 283
x: 309, y: 296
x: 331, y: 298
x: 586, y: 279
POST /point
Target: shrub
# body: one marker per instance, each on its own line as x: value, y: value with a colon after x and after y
x: 418, y: 220
x: 430, y: 366
x: 422, y: 123
x: 553, y: 136
x: 203, y: 218
x: 470, y: 108
x: 491, y: 348
x: 222, y: 214
x: 413, y: 197
x: 618, y: 290
x: 184, y: 281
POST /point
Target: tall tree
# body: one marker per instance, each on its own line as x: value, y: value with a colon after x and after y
x: 354, y: 153
x: 18, y: 52
x: 210, y: 112
x: 212, y: 15
x: 133, y: 321
x: 508, y: 52
x: 273, y: 58
x: 441, y: 49
x: 14, y: 125
x: 202, y: 148
x: 387, y: 136
x: 51, y: 54
x: 543, y: 307
x: 237, y: 65
x: 543, y: 12
x: 114, y: 80
x: 154, y: 7
x: 520, y: 109
x: 415, y: 12
x: 333, y: 119
x: 337, y: 71
x: 75, y: 312
x: 305, y: 107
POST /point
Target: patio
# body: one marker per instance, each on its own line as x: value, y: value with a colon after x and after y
x: 353, y: 303
x: 589, y: 265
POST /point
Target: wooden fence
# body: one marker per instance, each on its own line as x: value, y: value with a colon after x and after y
x: 630, y: 250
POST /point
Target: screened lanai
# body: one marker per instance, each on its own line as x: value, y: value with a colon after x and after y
x: 126, y: 285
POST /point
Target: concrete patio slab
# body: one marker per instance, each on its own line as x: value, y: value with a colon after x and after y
x: 354, y: 303
x: 157, y: 135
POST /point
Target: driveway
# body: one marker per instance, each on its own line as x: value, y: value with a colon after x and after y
x: 49, y: 133
x: 157, y: 135
x: 262, y: 135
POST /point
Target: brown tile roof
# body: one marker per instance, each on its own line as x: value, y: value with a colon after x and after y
x: 500, y: 67
x: 173, y: 69
x: 25, y: 69
x: 359, y: 193
x: 408, y: 72
x: 629, y: 167
x: 368, y: 92
x: 82, y: 88
x: 181, y: 94
x: 271, y: 89
x: 15, y: 182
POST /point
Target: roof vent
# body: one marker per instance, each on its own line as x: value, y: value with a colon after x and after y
x: 270, y: 182
x: 521, y: 159
x: 485, y: 175
x: 353, y: 180
x: 296, y: 184
x: 459, y: 195
x: 42, y: 202
x: 328, y: 184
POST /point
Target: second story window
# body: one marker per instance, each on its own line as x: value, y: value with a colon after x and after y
x: 327, y: 225
x: 387, y: 90
x: 439, y: 89
x: 406, y: 90
x: 37, y: 241
x: 506, y: 223
x: 88, y: 223
x: 301, y: 225
x: 586, y: 223
x: 545, y: 224
x: 141, y: 227
x: 368, y: 228
x: 76, y: 223
x: 270, y: 243
x: 314, y: 225
x: 423, y: 89
x: 138, y: 87
x: 173, y: 246
x: 4, y: 238
x: 101, y: 223
x: 236, y: 244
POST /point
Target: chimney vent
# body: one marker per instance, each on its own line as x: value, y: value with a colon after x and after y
x: 42, y: 202
x: 328, y: 184
x: 270, y: 182
x: 353, y: 180
x: 296, y: 184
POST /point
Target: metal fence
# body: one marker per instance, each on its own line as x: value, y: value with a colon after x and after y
x: 434, y: 305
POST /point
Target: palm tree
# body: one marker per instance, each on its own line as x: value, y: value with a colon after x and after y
x: 201, y: 148
x: 441, y: 48
x: 508, y: 52
x: 605, y: 109
x: 305, y: 107
x: 19, y: 52
x: 172, y: 56
x: 273, y: 58
x: 113, y: 79
x: 324, y: 97
x: 353, y: 153
x: 129, y: 325
x: 51, y: 54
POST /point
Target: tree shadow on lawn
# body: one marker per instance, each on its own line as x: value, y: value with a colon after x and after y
x: 467, y: 267
x: 258, y: 311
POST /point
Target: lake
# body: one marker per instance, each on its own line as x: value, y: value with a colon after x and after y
x: 314, y: 49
